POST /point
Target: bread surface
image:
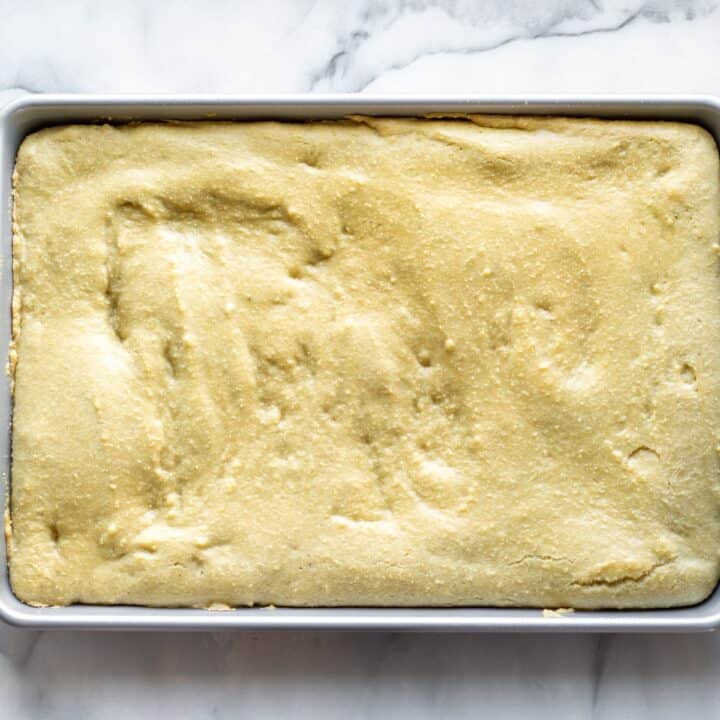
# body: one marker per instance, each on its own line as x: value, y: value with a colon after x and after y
x: 395, y: 362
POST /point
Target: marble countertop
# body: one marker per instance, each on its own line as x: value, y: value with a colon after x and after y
x: 369, y: 46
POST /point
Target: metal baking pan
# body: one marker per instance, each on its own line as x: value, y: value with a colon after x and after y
x: 30, y: 113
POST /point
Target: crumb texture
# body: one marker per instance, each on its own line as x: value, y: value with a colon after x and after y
x: 463, y: 361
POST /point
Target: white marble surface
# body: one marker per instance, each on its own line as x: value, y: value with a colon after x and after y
x: 378, y: 47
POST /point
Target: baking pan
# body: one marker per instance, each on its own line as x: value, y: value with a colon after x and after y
x: 30, y: 113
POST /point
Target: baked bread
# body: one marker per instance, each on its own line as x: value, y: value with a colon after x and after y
x: 389, y: 362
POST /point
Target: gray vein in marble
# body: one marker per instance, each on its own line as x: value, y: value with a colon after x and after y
x: 559, y: 20
x: 18, y: 645
x: 599, y: 663
x: 478, y: 49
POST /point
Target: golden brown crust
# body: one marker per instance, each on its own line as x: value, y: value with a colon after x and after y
x: 384, y: 362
